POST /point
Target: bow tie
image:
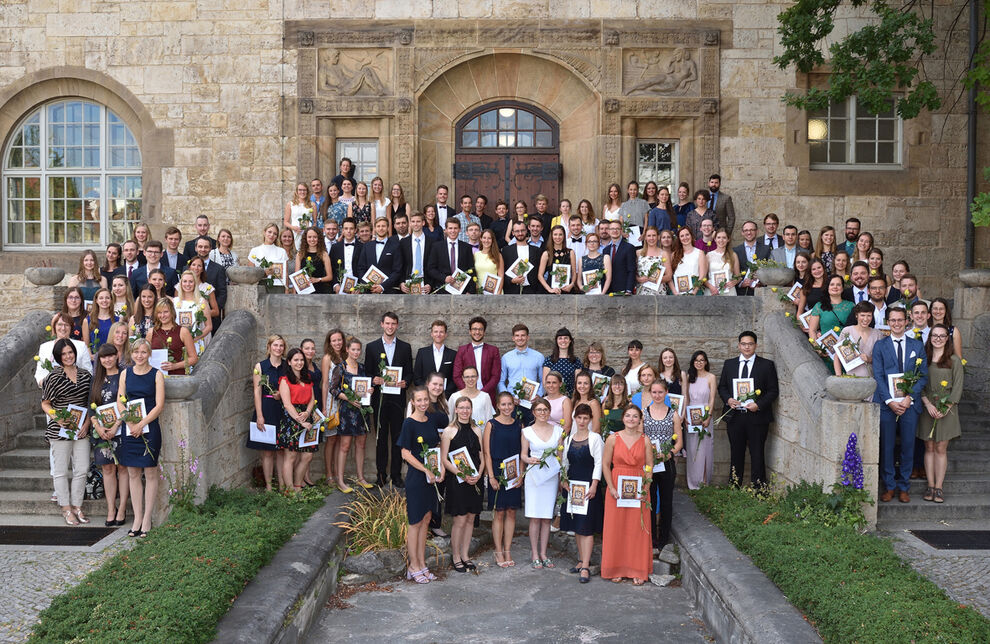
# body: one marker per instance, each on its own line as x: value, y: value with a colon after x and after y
x: 379, y: 241
x: 348, y: 244
x: 577, y: 240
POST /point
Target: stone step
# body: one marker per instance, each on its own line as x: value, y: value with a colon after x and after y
x: 26, y: 458
x: 964, y: 483
x: 23, y: 502
x: 963, y: 461
x: 34, y: 439
x: 25, y: 479
x: 971, y: 442
x: 956, y: 506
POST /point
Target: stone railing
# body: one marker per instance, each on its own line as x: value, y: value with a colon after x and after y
x: 18, y: 389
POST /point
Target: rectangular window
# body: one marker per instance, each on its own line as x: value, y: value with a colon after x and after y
x: 846, y: 134
x: 363, y: 153
x: 657, y: 161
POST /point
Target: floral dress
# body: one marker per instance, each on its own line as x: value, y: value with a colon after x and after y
x: 351, y: 421
x: 104, y: 455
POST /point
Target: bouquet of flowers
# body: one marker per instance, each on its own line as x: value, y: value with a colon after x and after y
x: 940, y: 401
x: 424, y: 454
x: 757, y: 264
x: 595, y: 281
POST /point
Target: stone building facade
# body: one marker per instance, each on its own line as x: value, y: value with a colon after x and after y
x: 230, y: 103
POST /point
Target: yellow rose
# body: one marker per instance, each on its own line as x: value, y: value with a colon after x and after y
x: 133, y: 328
x: 758, y: 392
x: 836, y: 329
x: 48, y: 328
x: 646, y: 468
x: 611, y: 294
x: 607, y: 411
x: 419, y: 439
x: 382, y: 356
x: 52, y: 413
x: 457, y: 462
x: 918, y: 361
x: 754, y: 256
x: 811, y: 340
x: 674, y: 437
x: 773, y: 288
x: 123, y: 399
x: 963, y: 360
x: 944, y: 383
x: 257, y: 371
x: 706, y: 407
x: 123, y: 307
x: 873, y: 271
x: 37, y: 358
x: 787, y: 315
x: 92, y: 405
x: 560, y: 448
x: 524, y: 379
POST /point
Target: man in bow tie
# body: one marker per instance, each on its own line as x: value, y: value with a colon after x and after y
x: 443, y: 210
x: 344, y: 254
x: 575, y: 237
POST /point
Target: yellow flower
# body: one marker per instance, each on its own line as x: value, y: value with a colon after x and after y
x: 92, y: 405
x: 674, y: 437
x: 944, y: 383
x: 963, y: 360
x: 524, y: 379
x: 133, y: 328
x: 52, y: 413
x: 344, y: 386
x: 415, y: 272
x: 787, y: 315
x: 611, y: 294
x: 873, y: 271
x: 811, y: 340
x: 560, y: 448
x: 123, y: 399
x: 706, y: 407
x: 773, y: 288
x: 457, y: 462
x: 754, y: 255
x: 419, y: 439
x: 123, y: 307
x: 48, y: 328
x: 758, y: 392
x: 607, y: 411
x: 646, y: 468
x: 907, y: 292
x: 836, y: 329
x: 918, y: 361
x: 382, y: 355
x: 37, y: 358
x: 501, y: 466
x: 845, y: 277
x: 257, y: 371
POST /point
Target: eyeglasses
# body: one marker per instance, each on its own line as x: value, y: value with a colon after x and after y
x: 939, y: 336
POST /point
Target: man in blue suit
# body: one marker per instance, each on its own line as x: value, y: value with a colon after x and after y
x: 623, y: 260
x: 898, y: 353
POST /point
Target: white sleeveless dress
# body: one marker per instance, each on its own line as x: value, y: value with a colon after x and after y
x: 541, y: 498
x: 687, y: 267
x: 296, y: 215
x: 716, y: 263
x: 612, y: 215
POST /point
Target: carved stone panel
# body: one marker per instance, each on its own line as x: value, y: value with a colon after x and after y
x: 355, y: 72
x: 660, y: 72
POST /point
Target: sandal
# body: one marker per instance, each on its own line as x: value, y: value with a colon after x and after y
x: 616, y: 580
x: 134, y: 533
x: 638, y: 582
x: 536, y: 564
x: 70, y: 517
x: 79, y: 515
x: 418, y: 576
x: 429, y: 575
x: 582, y: 578
x: 548, y: 563
x: 503, y: 563
x: 470, y: 565
x: 938, y: 495
x: 460, y: 566
x: 929, y: 494
x: 510, y: 563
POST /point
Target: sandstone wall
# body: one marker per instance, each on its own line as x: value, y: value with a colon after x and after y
x: 18, y: 389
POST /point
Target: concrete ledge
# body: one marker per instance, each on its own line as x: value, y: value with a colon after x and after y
x: 285, y: 597
x: 736, y: 600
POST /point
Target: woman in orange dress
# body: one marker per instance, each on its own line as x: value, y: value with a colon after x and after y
x: 626, y: 538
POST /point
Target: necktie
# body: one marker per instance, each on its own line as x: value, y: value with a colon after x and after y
x: 714, y: 199
x: 900, y: 354
x: 611, y: 251
x: 861, y: 297
x: 745, y: 369
x: 130, y: 269
x: 453, y: 258
x: 418, y: 258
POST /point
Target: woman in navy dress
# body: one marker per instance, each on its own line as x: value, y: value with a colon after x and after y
x: 670, y: 371
x: 267, y: 408
x: 418, y: 430
x: 106, y: 384
x: 353, y: 424
x: 583, y: 461
x: 463, y: 498
x: 502, y: 440
x: 138, y: 450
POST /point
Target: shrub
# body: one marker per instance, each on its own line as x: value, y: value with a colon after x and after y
x: 377, y: 522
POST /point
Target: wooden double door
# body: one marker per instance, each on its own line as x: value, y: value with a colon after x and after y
x: 508, y: 176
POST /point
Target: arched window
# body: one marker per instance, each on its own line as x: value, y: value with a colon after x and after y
x: 71, y: 178
x: 507, y: 125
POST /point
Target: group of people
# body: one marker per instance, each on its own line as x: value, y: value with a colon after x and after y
x: 475, y: 424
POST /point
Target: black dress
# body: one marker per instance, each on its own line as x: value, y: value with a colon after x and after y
x: 421, y: 497
x: 463, y: 498
x: 271, y: 406
x: 319, y: 271
x: 581, y: 467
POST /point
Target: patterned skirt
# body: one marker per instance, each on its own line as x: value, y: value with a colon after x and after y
x: 289, y: 433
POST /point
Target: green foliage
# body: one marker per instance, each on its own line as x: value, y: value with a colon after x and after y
x: 179, y: 581
x: 871, y: 63
x: 851, y: 586
x: 980, y: 208
x: 376, y: 522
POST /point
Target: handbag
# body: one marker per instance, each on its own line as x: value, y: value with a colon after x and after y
x: 333, y: 414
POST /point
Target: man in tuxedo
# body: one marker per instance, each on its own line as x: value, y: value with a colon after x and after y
x: 213, y: 274
x: 444, y: 210
x: 153, y: 255
x: 382, y: 251
x: 330, y: 231
x: 345, y: 255
x: 481, y: 355
x: 852, y: 235
x: 389, y: 423
x: 436, y: 358
x: 748, y: 252
x: 785, y: 254
x: 721, y: 203
x: 172, y: 257
x: 749, y: 422
x: 898, y: 353
x: 623, y: 260
x: 520, y: 248
x: 415, y: 251
x: 859, y: 276
x: 575, y: 238
x: 202, y: 232
x: 449, y: 254
x: 770, y: 239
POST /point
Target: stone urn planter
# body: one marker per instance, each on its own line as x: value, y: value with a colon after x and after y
x: 775, y: 276
x: 245, y: 274
x: 44, y: 275
x: 181, y: 387
x: 975, y: 277
x: 850, y: 389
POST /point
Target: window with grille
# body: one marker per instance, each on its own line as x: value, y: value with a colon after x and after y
x: 845, y: 133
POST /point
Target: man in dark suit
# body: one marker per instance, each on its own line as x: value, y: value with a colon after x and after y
x: 481, y: 355
x: 623, y: 260
x: 444, y: 209
x: 213, y: 274
x: 520, y: 247
x: 202, y: 232
x: 397, y: 354
x: 721, y: 203
x: 770, y: 240
x: 415, y: 251
x: 898, y: 353
x: 747, y: 253
x: 172, y: 257
x: 382, y: 251
x: 345, y: 255
x: 448, y: 254
x: 436, y: 358
x: 859, y: 276
x: 153, y: 254
x: 749, y: 423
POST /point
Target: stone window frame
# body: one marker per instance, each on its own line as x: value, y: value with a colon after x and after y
x: 850, y: 141
x: 157, y: 144
x: 516, y: 105
x: 674, y: 162
x: 362, y: 141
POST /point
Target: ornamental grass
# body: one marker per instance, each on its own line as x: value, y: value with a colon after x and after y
x: 376, y: 522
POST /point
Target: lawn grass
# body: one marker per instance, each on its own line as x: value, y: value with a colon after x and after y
x: 851, y: 586
x: 181, y: 579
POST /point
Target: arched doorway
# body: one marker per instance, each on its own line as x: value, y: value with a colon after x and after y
x: 508, y: 150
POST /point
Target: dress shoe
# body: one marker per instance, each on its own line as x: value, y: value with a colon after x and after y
x: 903, y: 496
x: 888, y: 495
x: 918, y: 473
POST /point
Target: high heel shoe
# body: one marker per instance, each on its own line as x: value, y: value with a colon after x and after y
x: 459, y: 566
x: 69, y: 517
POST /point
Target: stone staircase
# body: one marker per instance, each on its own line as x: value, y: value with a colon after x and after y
x: 967, y: 479
x: 26, y: 482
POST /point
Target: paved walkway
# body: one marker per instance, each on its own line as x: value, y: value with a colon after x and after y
x: 33, y: 576
x: 963, y: 574
x: 514, y: 604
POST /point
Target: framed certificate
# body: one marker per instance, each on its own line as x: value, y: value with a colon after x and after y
x: 108, y: 414
x: 519, y: 268
x: 629, y: 492
x: 591, y: 277
x: 511, y: 470
x: 374, y: 275
x: 577, y: 497
x: 362, y: 388
x: 462, y: 454
x: 655, y: 276
x: 136, y: 406
x: 528, y: 393
x: 78, y: 417
x: 319, y: 417
x: 491, y: 284
x: 433, y: 460
x: 894, y: 379
x: 301, y: 283
x: 185, y: 318
x: 695, y: 414
x: 847, y: 354
x: 804, y: 319
x: 742, y: 387
x: 461, y: 280
x: 560, y: 275
x: 347, y: 283
x: 281, y: 273
x: 795, y: 292
x: 391, y: 376
x: 828, y: 341
x: 310, y: 437
x: 720, y: 276
x: 683, y: 284
x: 677, y: 403
x: 603, y: 381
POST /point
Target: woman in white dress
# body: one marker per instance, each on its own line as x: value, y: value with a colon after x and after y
x: 380, y: 203
x: 540, y: 496
x: 646, y: 257
x: 686, y: 262
x: 723, y: 257
x: 269, y: 252
x: 613, y: 201
x: 299, y: 212
x: 633, y: 365
x: 482, y: 411
x: 190, y: 302
x: 589, y: 223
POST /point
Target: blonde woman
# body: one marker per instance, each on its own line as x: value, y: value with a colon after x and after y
x: 269, y: 252
x: 142, y: 235
x: 380, y: 203
x: 121, y: 341
x: 489, y: 259
x: 647, y: 256
x: 720, y: 258
x: 360, y: 208
x: 123, y: 301
x: 189, y: 307
x: 298, y: 212
x: 175, y: 339
x: 198, y: 267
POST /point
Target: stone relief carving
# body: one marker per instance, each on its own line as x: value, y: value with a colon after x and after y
x: 404, y: 105
x: 587, y: 62
x: 660, y: 71
x: 355, y: 72
x: 611, y: 105
x: 711, y: 38
x: 305, y: 106
x: 306, y: 38
x: 431, y: 60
